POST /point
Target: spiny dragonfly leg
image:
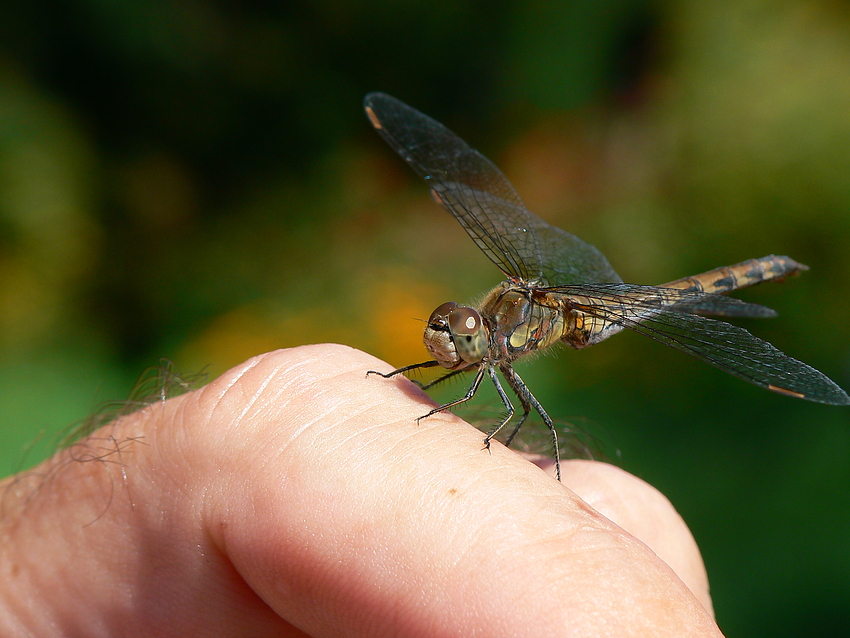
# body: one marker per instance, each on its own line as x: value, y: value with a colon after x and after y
x: 528, y: 399
x: 508, y: 406
x: 476, y: 383
x: 526, y: 410
x: 405, y: 369
x: 445, y: 377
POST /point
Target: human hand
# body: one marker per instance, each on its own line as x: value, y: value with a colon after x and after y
x: 295, y: 496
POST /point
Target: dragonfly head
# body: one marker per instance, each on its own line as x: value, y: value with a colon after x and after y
x: 456, y: 336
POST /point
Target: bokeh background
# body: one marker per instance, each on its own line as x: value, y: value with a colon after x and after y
x: 196, y: 180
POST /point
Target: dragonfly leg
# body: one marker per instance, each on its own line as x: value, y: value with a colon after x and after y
x: 527, y: 399
x: 508, y: 406
x: 476, y: 383
x: 526, y: 410
x: 404, y: 370
x: 445, y: 377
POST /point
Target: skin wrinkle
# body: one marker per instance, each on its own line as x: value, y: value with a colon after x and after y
x: 339, y: 442
x: 277, y: 378
x: 302, y: 382
x: 310, y: 366
x: 354, y: 435
x: 185, y: 446
x: 254, y: 400
x: 330, y: 446
x: 235, y: 377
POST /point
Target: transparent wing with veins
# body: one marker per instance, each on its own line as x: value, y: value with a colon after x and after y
x: 667, y: 315
x: 485, y: 203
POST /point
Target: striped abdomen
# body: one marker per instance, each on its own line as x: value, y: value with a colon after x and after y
x: 741, y: 275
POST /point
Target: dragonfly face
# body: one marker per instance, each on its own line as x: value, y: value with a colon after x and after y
x: 560, y: 288
x: 456, y: 337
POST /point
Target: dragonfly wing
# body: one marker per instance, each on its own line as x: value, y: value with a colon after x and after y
x: 568, y: 259
x: 633, y: 299
x: 653, y: 312
x: 485, y: 203
x: 733, y: 349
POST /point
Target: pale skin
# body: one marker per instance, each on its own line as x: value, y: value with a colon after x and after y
x: 296, y: 496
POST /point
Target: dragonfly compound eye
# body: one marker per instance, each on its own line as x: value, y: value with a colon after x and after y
x: 439, y: 317
x: 468, y: 334
x: 438, y: 338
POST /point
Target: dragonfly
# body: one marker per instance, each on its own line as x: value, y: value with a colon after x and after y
x: 559, y: 288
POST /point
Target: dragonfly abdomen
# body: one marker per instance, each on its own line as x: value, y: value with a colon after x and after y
x: 747, y: 273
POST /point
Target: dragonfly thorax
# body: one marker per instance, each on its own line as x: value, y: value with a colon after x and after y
x: 522, y: 321
x: 456, y: 336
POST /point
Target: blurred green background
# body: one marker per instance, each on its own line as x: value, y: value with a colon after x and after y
x: 196, y: 180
